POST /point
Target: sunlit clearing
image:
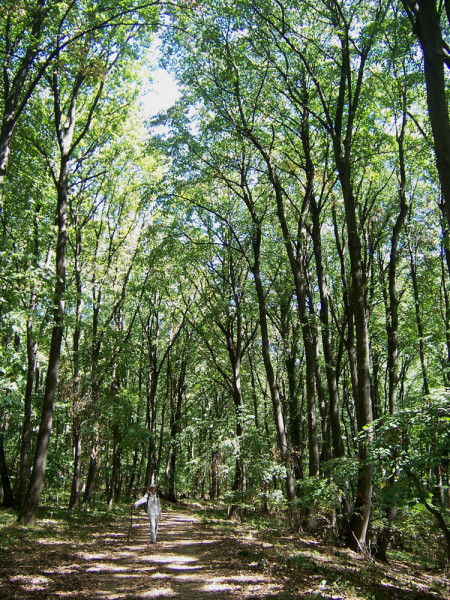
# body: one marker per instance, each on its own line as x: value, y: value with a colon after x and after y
x: 217, y: 587
x: 124, y: 554
x: 64, y: 570
x: 102, y: 568
x: 158, y: 558
x: 182, y: 567
x: 31, y: 583
x: 221, y: 585
x: 244, y: 579
x: 49, y: 522
x: 190, y: 543
x: 144, y: 569
x: 110, y: 596
x: 88, y: 556
x: 30, y: 579
x: 138, y: 548
x: 160, y: 593
x: 49, y: 542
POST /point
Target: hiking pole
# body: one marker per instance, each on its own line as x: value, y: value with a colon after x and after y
x: 131, y: 524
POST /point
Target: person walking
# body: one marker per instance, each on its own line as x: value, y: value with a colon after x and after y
x: 153, y: 506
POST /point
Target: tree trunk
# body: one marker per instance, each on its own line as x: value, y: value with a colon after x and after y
x: 333, y: 394
x: 361, y: 511
x: 350, y: 340
x: 26, y: 431
x: 93, y: 466
x: 95, y: 448
x: 427, y: 28
x: 265, y: 347
x: 76, y: 421
x: 342, y: 154
x: 392, y: 322
x: 325, y: 454
x: 254, y: 394
x: 392, y: 328
x: 295, y: 383
x: 214, y: 490
x: 323, y: 291
x: 76, y: 479
x: 29, y: 509
x: 295, y: 261
x: 273, y: 386
x: 419, y: 323
x: 152, y: 386
x: 133, y: 474
x: 175, y: 428
x: 445, y: 262
x: 234, y: 347
x: 361, y: 514
x: 8, y: 496
x: 114, y: 483
x: 65, y: 127
x: 442, y: 524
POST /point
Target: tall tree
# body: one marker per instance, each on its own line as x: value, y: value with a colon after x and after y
x: 33, y: 37
x: 66, y: 89
x: 430, y: 22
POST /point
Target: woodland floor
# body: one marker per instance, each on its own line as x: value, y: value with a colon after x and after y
x: 195, y: 559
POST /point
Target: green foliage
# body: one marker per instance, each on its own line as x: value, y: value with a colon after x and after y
x: 162, y: 230
x: 410, y: 445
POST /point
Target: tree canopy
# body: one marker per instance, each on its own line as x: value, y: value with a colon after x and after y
x: 246, y: 296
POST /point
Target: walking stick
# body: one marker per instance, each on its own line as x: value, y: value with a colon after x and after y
x: 131, y: 525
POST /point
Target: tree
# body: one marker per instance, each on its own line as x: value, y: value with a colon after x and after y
x: 429, y: 23
x: 33, y: 38
x: 71, y: 129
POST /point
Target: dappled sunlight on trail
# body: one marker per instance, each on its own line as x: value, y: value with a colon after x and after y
x: 188, y: 562
x: 196, y: 560
x: 183, y: 565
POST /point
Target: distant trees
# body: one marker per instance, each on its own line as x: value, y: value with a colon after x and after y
x: 70, y: 124
x: 294, y: 90
x: 251, y: 301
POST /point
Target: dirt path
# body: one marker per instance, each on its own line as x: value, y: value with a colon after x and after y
x: 189, y: 562
x: 92, y: 559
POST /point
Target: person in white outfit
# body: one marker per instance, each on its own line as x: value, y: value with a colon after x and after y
x: 153, y: 509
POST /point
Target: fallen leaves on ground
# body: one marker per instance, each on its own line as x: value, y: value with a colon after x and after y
x: 196, y: 560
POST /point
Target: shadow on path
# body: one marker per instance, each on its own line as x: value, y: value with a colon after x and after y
x: 187, y: 562
x: 92, y: 560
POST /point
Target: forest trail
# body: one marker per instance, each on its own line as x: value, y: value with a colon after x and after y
x: 92, y: 558
x: 189, y: 562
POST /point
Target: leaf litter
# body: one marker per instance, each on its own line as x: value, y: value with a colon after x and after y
x: 197, y: 558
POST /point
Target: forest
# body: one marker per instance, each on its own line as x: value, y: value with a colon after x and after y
x: 245, y: 297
